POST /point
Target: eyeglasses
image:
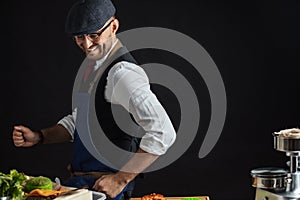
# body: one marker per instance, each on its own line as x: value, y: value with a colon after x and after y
x: 92, y: 36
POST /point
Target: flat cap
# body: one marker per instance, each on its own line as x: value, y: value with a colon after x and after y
x: 88, y: 16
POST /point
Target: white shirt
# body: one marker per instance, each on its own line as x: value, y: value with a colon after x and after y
x: 128, y: 85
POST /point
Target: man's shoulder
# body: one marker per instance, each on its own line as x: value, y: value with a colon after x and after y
x: 124, y: 66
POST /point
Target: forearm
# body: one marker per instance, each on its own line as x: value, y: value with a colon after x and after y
x: 55, y: 134
x: 137, y: 164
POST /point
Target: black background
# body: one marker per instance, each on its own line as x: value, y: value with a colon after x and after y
x: 255, y: 45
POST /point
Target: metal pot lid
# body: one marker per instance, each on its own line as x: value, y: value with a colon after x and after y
x: 269, y: 172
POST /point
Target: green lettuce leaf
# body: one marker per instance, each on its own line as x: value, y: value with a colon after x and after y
x: 11, y: 185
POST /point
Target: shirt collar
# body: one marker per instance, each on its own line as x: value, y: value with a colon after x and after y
x: 101, y: 61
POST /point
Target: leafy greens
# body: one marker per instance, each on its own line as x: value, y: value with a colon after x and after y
x: 11, y: 185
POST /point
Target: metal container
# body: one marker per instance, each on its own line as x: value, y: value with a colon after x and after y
x: 287, y: 140
x: 269, y: 178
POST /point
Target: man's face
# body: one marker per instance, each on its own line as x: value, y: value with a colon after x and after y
x: 96, y: 45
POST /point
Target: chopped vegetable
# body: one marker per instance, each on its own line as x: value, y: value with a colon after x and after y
x: 11, y: 185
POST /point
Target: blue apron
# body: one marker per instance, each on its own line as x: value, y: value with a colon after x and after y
x: 83, y: 160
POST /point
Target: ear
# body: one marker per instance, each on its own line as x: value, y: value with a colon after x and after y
x: 115, y: 26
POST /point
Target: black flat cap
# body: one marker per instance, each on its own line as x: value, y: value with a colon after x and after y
x: 88, y: 16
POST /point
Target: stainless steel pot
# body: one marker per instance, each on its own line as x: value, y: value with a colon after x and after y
x: 287, y: 140
x: 269, y: 178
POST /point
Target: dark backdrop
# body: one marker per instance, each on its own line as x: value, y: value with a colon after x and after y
x: 254, y: 44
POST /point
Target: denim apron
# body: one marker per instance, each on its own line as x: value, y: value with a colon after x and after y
x: 83, y: 160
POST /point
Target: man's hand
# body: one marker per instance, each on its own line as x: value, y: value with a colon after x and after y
x: 24, y: 137
x: 111, y: 185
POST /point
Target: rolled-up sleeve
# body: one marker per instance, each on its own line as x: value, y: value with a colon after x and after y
x: 128, y: 85
x: 69, y: 122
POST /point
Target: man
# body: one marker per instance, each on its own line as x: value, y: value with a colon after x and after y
x: 93, y: 25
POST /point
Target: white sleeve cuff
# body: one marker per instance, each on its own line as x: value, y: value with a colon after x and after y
x: 69, y: 123
x: 155, y: 146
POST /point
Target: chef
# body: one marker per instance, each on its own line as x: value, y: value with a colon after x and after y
x: 93, y: 25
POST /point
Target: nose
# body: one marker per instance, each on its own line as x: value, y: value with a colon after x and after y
x: 86, y: 43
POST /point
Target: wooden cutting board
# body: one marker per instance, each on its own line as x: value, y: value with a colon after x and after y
x: 182, y: 198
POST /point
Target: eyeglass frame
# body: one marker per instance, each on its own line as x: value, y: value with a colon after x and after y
x: 97, y: 34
